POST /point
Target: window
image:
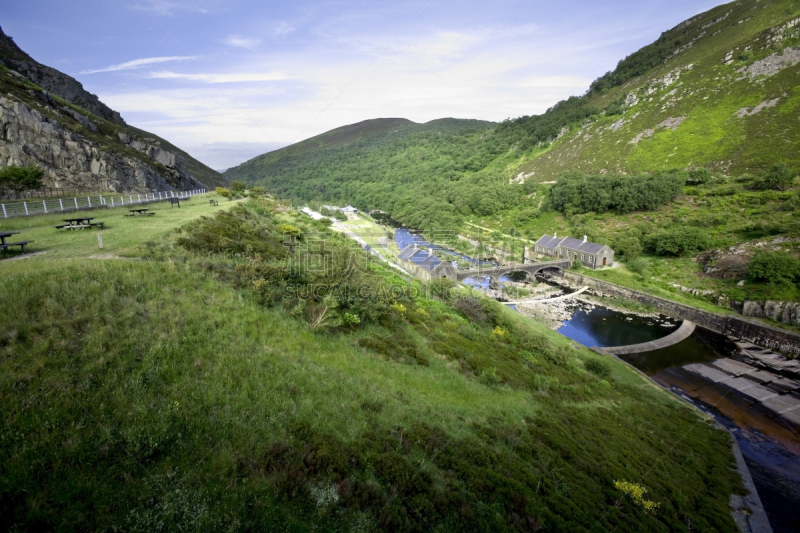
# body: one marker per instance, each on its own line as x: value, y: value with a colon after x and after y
x: 583, y: 257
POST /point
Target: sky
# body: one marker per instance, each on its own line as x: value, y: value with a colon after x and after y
x: 227, y: 80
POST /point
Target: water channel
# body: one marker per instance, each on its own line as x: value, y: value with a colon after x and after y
x: 769, y: 442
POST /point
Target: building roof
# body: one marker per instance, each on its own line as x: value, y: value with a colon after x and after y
x: 349, y: 208
x: 551, y: 242
x: 419, y: 257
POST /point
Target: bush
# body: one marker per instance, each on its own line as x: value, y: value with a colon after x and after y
x: 746, y: 55
x: 471, y: 308
x: 699, y: 177
x: 238, y: 186
x: 773, y: 267
x: 640, y: 265
x: 629, y: 247
x: 257, y: 192
x: 679, y: 241
x: 21, y: 178
x: 779, y: 177
x: 222, y: 191
x: 598, y: 367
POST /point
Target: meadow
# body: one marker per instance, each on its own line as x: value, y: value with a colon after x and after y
x: 176, y: 387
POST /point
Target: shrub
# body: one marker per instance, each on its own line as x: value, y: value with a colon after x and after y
x: 698, y: 177
x: 222, y: 191
x: 746, y: 55
x: 640, y: 265
x: 598, y: 367
x: 773, y: 267
x: 636, y: 493
x: 471, y: 308
x: 629, y: 247
x: 238, y: 186
x: 779, y: 177
x: 489, y: 377
x: 679, y: 241
x: 288, y: 229
x: 258, y: 191
x: 21, y: 178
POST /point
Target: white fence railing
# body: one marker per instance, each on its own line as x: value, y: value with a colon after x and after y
x: 60, y: 205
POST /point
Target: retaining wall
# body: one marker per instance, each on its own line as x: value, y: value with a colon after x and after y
x: 734, y: 326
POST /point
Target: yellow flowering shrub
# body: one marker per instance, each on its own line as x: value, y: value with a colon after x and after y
x: 498, y: 331
x: 636, y: 493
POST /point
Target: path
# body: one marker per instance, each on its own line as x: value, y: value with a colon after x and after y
x: 545, y: 300
x: 683, y: 332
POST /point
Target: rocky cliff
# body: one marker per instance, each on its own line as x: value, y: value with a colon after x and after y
x: 47, y: 119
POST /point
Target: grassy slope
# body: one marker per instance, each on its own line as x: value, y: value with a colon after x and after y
x: 705, y: 91
x: 144, y: 394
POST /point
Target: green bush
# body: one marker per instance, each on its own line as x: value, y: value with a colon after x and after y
x: 779, y: 177
x: 222, y: 191
x: 629, y: 247
x: 773, y: 267
x: 598, y: 367
x: 640, y: 265
x: 21, y: 178
x: 238, y: 186
x: 699, y: 177
x: 679, y: 241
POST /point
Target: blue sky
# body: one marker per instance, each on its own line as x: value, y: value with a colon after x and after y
x: 228, y: 80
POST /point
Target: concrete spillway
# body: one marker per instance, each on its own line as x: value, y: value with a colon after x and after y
x: 685, y: 329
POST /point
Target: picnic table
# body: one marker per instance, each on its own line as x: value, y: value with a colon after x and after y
x: 139, y: 212
x: 6, y: 245
x: 79, y: 223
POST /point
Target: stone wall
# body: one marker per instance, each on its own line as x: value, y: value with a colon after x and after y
x: 732, y: 325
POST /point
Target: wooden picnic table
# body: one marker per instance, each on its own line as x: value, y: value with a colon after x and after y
x: 139, y: 212
x: 79, y: 223
x: 6, y: 245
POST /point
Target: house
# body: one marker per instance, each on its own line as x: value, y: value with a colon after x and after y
x: 349, y: 209
x: 590, y: 254
x: 423, y: 264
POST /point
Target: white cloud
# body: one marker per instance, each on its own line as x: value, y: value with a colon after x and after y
x: 136, y: 63
x: 241, y: 42
x: 283, y: 28
x: 222, y: 78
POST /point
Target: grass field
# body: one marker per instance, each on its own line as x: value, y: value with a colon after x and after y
x: 166, y: 391
x: 121, y: 234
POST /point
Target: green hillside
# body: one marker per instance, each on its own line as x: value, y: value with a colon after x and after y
x: 191, y: 382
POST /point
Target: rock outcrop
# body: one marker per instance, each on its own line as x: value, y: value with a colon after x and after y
x: 784, y: 312
x: 28, y: 137
x: 51, y: 80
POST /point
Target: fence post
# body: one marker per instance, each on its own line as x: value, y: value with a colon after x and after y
x: 139, y: 196
x: 89, y: 199
x: 61, y: 203
x: 130, y: 198
x: 112, y: 202
x: 44, y: 204
x: 5, y: 215
x: 26, y: 207
x: 76, y: 203
x: 122, y: 200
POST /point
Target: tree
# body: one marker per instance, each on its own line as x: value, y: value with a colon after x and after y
x: 257, y: 191
x: 238, y: 186
x: 21, y: 178
x: 679, y: 241
x: 779, y: 177
x: 773, y: 267
x: 629, y: 246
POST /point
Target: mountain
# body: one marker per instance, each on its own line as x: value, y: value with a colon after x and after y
x: 719, y: 91
x: 49, y: 120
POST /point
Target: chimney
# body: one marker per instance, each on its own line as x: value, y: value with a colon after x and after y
x: 430, y: 252
x: 555, y: 236
x: 584, y: 238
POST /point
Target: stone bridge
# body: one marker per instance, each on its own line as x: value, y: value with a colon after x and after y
x: 495, y: 273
